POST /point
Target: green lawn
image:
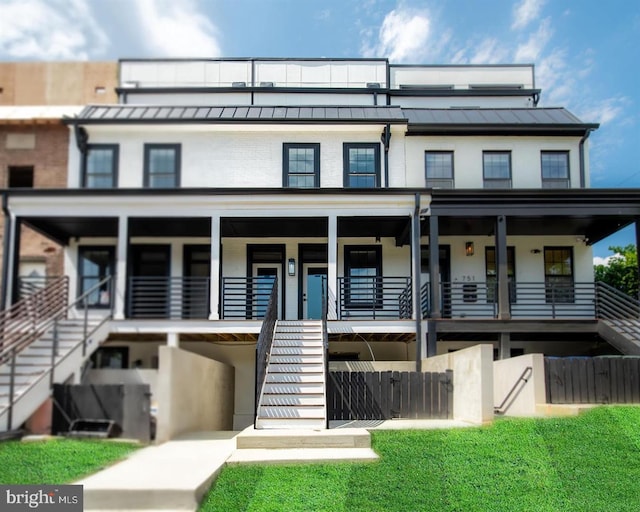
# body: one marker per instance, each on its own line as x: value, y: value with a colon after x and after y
x: 57, y: 461
x: 585, y: 463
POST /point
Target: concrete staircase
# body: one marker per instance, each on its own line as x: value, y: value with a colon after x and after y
x: 623, y: 334
x: 33, y: 368
x: 293, y: 396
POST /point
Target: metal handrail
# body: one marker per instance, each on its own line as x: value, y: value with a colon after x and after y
x: 263, y: 346
x: 245, y: 298
x: 175, y: 297
x: 325, y: 343
x: 371, y: 297
x: 53, y: 321
x: 524, y: 377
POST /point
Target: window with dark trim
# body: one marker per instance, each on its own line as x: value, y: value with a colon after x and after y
x: 363, y: 269
x: 496, y: 169
x: 439, y: 168
x: 558, y: 275
x: 491, y: 272
x: 301, y: 165
x: 95, y: 263
x: 361, y: 165
x: 555, y: 169
x: 100, y: 166
x: 162, y: 165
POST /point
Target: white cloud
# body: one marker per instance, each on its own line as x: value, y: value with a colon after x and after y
x: 50, y: 29
x: 604, y: 111
x: 526, y: 12
x: 403, y: 36
x: 597, y: 260
x: 489, y: 51
x: 530, y: 50
x: 176, y: 29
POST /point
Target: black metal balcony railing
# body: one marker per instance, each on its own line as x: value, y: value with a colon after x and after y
x: 265, y: 340
x: 526, y: 300
x: 246, y: 298
x: 168, y: 297
x: 374, y: 298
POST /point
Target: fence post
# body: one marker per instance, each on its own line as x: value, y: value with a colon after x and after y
x: 54, y: 351
x: 12, y: 380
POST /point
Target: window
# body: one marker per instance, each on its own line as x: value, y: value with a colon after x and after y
x: 496, y: 168
x: 94, y: 265
x: 100, y: 166
x: 439, y: 169
x: 363, y: 268
x: 492, y: 274
x: 161, y: 165
x: 555, y: 169
x: 20, y: 177
x: 558, y: 274
x: 301, y: 165
x: 361, y: 165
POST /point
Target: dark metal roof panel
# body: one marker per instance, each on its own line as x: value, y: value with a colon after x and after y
x: 491, y: 116
x: 242, y: 113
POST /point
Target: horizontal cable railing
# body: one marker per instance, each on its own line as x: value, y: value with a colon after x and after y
x: 374, y: 297
x: 246, y: 298
x: 168, y: 297
x: 554, y: 300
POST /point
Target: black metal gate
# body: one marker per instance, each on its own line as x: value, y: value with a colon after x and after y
x: 386, y: 395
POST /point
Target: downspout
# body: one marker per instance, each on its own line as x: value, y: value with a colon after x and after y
x: 415, y: 249
x: 6, y: 250
x: 581, y: 155
x: 386, y: 138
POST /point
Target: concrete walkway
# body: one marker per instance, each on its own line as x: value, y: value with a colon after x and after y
x: 176, y: 475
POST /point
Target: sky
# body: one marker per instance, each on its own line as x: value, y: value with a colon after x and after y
x: 586, y: 53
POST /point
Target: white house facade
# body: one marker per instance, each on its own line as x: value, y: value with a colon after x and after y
x: 416, y: 210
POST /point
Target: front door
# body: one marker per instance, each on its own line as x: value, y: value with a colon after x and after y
x: 195, y: 288
x: 264, y: 275
x: 315, y: 291
x: 149, y: 287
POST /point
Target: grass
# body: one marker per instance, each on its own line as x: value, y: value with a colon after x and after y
x: 57, y: 461
x: 585, y: 463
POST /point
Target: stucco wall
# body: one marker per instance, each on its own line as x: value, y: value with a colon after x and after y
x: 518, y: 387
x: 194, y: 394
x: 472, y: 381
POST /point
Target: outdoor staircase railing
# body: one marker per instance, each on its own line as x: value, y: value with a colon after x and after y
x: 263, y: 347
x: 30, y: 318
x: 619, y: 309
x: 325, y: 343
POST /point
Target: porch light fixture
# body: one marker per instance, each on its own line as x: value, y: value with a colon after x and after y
x: 292, y: 267
x: 468, y: 248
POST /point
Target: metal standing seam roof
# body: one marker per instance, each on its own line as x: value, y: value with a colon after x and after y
x: 110, y: 114
x: 493, y: 117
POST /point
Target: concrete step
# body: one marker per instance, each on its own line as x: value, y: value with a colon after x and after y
x: 294, y: 342
x: 292, y: 412
x: 306, y: 359
x: 297, y: 336
x: 21, y: 371
x: 291, y: 423
x: 251, y: 438
x: 286, y: 378
x: 297, y: 351
x: 303, y: 328
x: 296, y: 368
x: 291, y: 400
x: 20, y: 380
x: 293, y: 388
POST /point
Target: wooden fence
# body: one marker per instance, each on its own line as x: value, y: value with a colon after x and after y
x: 600, y: 380
x: 386, y: 395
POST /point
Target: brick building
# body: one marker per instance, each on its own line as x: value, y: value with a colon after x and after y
x: 34, y: 144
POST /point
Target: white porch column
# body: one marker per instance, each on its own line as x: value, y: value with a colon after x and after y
x: 173, y: 340
x: 121, y: 268
x: 214, y: 290
x: 332, y: 267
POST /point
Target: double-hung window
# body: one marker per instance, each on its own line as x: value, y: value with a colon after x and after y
x: 555, y: 169
x: 558, y: 275
x: 361, y: 165
x: 100, y: 166
x: 95, y: 263
x: 439, y: 169
x: 496, y: 169
x: 161, y: 165
x: 301, y: 165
